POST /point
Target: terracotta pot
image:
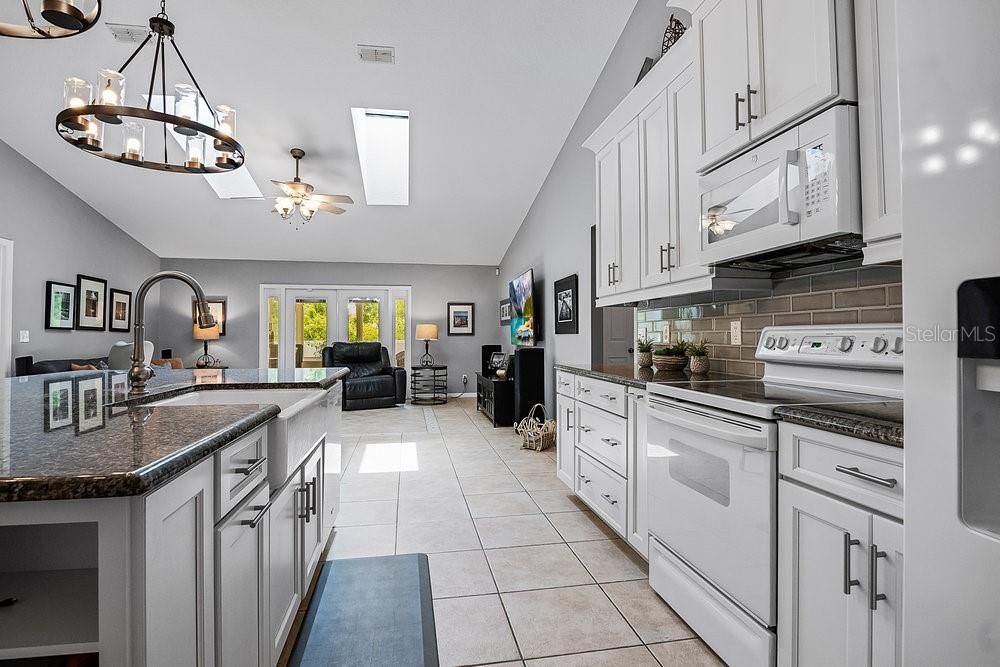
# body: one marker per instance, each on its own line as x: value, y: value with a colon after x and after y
x: 699, y: 365
x: 645, y: 359
x: 669, y: 362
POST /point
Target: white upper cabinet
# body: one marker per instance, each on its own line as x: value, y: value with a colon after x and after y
x: 723, y: 65
x: 763, y: 64
x: 625, y: 272
x: 655, y: 193
x: 878, y: 127
x: 607, y: 218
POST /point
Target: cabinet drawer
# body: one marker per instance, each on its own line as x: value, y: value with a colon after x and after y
x: 603, y: 436
x: 864, y: 472
x: 604, y: 491
x: 238, y: 469
x: 605, y: 395
x: 565, y: 383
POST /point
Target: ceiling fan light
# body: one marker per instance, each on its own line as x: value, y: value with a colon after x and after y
x: 284, y: 207
x: 307, y: 210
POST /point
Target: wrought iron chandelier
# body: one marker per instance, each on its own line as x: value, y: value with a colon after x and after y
x: 82, y: 122
x: 64, y: 17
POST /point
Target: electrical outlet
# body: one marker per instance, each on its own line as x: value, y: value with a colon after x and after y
x: 736, y: 332
x: 24, y: 337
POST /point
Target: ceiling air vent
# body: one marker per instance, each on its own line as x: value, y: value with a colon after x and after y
x: 130, y: 34
x: 376, y: 54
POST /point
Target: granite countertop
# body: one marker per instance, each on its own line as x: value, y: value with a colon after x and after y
x: 880, y: 421
x: 79, y: 435
x: 632, y: 377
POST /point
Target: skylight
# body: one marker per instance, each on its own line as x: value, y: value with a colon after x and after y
x: 383, y: 138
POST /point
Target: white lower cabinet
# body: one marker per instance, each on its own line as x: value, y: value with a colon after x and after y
x: 284, y: 570
x: 835, y: 562
x: 313, y: 533
x: 565, y: 439
x: 241, y: 557
x: 603, y: 490
x: 638, y: 524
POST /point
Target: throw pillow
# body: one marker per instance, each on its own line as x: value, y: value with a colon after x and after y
x: 82, y: 367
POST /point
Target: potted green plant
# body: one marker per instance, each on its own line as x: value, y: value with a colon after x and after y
x: 699, y: 357
x: 644, y: 347
x: 671, y: 357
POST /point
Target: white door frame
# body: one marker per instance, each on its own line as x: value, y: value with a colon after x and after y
x: 286, y: 325
x: 6, y: 305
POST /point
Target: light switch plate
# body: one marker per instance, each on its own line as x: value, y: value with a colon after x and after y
x: 736, y: 332
x: 23, y: 336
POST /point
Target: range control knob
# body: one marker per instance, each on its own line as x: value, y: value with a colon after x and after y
x: 782, y: 342
x: 845, y: 344
x: 769, y: 342
x: 879, y: 344
x: 897, y: 346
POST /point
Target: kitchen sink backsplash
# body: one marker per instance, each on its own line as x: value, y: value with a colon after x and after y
x: 842, y: 293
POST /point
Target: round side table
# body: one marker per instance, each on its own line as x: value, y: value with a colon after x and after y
x: 429, y: 385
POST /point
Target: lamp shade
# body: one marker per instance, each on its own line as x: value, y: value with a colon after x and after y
x: 211, y: 333
x: 427, y: 332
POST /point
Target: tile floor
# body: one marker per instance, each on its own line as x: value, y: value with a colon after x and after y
x: 521, y: 572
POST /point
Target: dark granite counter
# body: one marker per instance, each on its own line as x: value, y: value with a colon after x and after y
x: 79, y: 435
x: 634, y: 377
x: 880, y: 421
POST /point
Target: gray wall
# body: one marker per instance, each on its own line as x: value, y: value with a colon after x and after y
x: 56, y: 236
x: 433, y: 287
x: 554, y: 238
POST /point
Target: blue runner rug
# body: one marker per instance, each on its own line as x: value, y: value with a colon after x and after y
x: 370, y: 612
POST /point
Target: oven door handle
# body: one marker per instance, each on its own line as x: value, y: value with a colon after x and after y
x: 755, y: 440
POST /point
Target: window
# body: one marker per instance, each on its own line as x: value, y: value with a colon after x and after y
x: 399, y: 337
x: 362, y: 320
x: 273, y: 330
x: 383, y: 139
x: 310, y: 332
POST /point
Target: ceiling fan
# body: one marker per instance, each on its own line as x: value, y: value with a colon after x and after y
x: 716, y: 221
x: 298, y: 195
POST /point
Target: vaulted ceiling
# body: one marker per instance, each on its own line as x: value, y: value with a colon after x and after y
x: 492, y: 88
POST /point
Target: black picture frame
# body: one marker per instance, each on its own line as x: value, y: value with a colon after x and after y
x: 566, y: 305
x: 218, y: 305
x: 112, y: 320
x: 505, y: 312
x: 60, y: 406
x: 460, y: 322
x: 58, y: 287
x: 91, y: 312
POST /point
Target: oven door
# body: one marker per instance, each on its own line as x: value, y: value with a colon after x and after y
x: 712, y: 491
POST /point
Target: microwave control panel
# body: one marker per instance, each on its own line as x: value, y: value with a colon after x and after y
x: 817, y: 190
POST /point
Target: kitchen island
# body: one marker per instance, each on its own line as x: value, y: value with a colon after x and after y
x: 164, y: 529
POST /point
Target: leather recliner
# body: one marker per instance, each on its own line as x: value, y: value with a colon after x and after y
x: 372, y: 382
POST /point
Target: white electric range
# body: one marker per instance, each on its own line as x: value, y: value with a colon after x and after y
x: 713, y: 480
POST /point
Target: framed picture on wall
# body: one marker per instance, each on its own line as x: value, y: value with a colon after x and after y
x: 567, y: 305
x: 120, y: 310
x: 217, y: 305
x: 92, y: 295
x: 505, y: 312
x: 461, y: 319
x: 58, y: 404
x: 60, y: 301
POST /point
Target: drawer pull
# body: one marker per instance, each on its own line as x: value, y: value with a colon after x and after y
x: 888, y: 483
x: 610, y: 441
x: 849, y: 582
x: 258, y: 517
x: 586, y: 480
x: 586, y: 429
x: 611, y: 499
x: 584, y: 391
x: 564, y: 384
x: 253, y: 466
x: 609, y: 397
x: 874, y: 554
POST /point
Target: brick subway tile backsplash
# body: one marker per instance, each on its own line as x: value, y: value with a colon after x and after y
x: 842, y: 293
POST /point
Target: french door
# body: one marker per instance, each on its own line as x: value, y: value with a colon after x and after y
x: 298, y: 322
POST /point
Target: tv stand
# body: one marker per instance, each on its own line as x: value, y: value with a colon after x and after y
x: 509, y: 400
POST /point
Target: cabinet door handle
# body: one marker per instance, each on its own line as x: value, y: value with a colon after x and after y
x: 253, y: 466
x: 610, y: 441
x: 610, y: 279
x: 611, y: 499
x: 887, y: 482
x: 315, y: 486
x: 569, y: 424
x: 586, y: 480
x: 304, y: 490
x: 586, y: 429
x: 751, y: 116
x: 738, y: 101
x: 665, y: 250
x: 874, y: 596
x: 614, y: 273
x: 849, y: 583
x: 258, y: 517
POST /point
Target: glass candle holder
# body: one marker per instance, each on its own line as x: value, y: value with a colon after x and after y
x: 186, y: 106
x: 195, y: 153
x: 92, y: 138
x: 133, y: 142
x: 76, y: 93
x: 110, y: 92
x: 226, y: 126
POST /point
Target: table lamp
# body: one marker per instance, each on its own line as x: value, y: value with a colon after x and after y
x: 212, y: 333
x: 427, y: 333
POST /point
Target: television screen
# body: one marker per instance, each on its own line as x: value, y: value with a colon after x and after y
x: 522, y: 301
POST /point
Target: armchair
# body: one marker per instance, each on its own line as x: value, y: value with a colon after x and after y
x: 373, y: 381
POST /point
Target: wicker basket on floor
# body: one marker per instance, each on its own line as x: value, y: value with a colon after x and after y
x: 537, y: 434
